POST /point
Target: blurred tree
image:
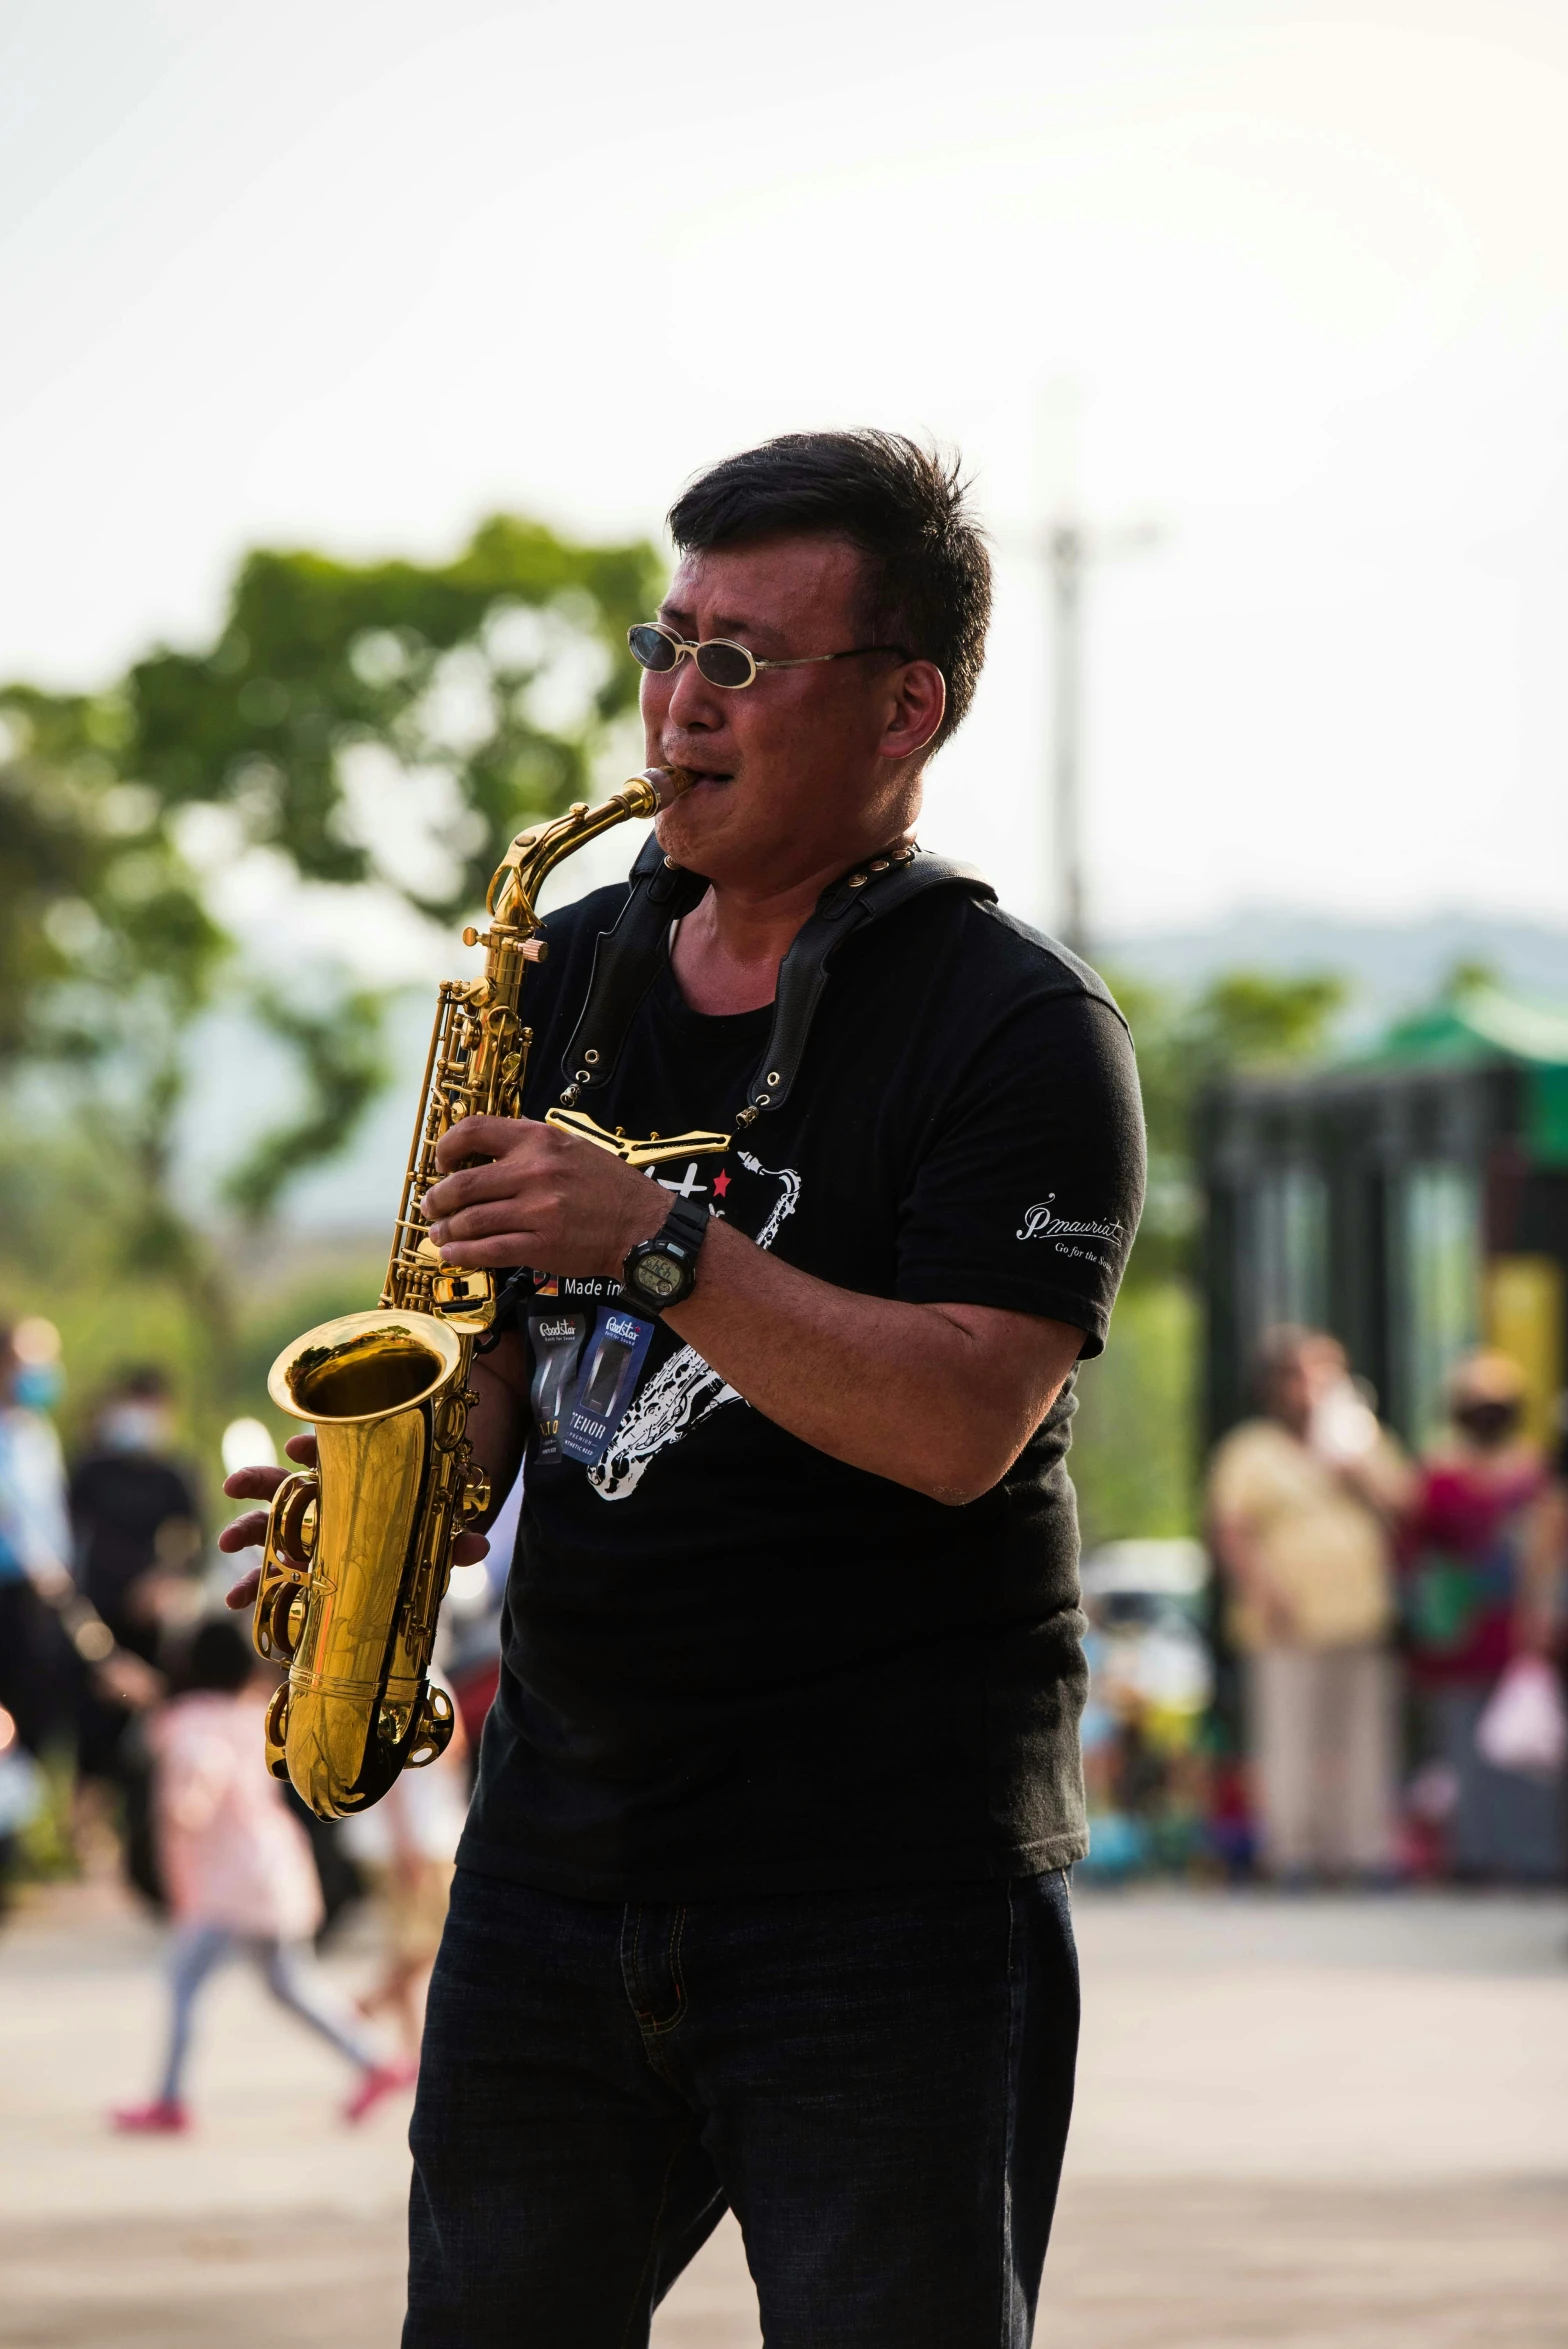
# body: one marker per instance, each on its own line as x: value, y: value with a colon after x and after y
x: 466, y: 698
x: 339, y: 1047
x: 102, y: 928
x: 488, y: 682
x: 494, y: 676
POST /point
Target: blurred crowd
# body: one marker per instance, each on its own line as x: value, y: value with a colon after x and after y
x: 1397, y: 1624
x: 131, y: 1711
x: 1358, y: 1677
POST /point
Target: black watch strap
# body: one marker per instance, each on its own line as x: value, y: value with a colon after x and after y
x: 686, y: 1225
x: 681, y: 1234
x: 687, y: 1222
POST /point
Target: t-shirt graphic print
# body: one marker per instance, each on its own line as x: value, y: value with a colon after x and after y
x: 686, y: 1390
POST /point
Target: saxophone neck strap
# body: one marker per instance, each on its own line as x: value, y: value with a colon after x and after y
x: 627, y: 959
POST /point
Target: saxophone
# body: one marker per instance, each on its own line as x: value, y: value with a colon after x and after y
x: 358, y: 1550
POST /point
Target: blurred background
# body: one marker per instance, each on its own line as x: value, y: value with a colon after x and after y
x: 353, y: 357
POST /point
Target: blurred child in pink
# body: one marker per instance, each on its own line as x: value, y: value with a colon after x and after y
x: 237, y: 1870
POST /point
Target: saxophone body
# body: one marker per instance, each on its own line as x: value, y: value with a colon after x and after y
x: 358, y: 1550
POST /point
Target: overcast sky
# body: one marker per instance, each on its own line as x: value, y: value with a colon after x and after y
x: 350, y: 275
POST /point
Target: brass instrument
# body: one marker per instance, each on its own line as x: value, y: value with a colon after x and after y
x: 358, y: 1551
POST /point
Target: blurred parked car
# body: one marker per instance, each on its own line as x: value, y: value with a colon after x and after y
x: 1151, y: 1683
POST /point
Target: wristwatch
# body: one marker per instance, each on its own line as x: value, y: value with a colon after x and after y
x: 663, y: 1271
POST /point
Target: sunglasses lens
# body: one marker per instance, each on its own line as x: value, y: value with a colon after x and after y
x: 651, y: 647
x: 724, y: 664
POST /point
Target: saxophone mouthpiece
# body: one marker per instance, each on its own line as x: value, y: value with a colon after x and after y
x: 669, y: 782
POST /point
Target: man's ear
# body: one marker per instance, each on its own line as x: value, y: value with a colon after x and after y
x: 918, y: 712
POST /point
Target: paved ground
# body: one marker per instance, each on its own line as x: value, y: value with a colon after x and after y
x: 1300, y: 2123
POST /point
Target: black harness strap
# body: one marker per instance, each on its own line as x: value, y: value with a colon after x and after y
x: 863, y: 896
x: 626, y: 962
x: 625, y: 965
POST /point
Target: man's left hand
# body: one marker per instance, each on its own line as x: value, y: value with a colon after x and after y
x: 540, y: 1197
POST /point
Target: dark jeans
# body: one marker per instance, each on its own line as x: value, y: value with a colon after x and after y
x: 877, y: 2083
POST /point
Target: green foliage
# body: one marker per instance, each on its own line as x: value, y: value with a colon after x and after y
x: 1133, y: 1457
x: 72, y: 1247
x: 214, y: 1320
x: 45, y: 1851
x: 499, y: 670
x: 491, y: 679
x: 105, y: 945
x: 340, y: 1053
x: 1242, y: 1020
x: 1465, y: 976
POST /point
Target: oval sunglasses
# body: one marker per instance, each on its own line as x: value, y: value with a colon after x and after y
x: 721, y: 661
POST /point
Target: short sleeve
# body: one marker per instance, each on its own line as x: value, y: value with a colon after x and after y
x: 1028, y: 1194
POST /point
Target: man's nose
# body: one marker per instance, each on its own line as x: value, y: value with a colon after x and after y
x: 693, y: 702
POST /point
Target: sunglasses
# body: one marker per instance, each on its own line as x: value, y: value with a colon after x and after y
x: 722, y: 662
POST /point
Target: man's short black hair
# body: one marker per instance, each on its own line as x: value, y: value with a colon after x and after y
x: 927, y: 571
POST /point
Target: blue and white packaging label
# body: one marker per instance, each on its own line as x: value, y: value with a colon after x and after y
x: 556, y: 1343
x: 611, y: 1361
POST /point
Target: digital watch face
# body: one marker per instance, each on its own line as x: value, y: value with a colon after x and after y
x: 660, y: 1276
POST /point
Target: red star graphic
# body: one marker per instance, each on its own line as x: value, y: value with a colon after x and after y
x: 721, y: 1183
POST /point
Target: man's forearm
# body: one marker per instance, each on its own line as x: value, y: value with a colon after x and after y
x: 903, y: 1390
x: 941, y: 1397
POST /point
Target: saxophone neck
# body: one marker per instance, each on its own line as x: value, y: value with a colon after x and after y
x: 513, y: 901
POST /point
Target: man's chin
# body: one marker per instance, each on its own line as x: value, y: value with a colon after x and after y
x: 699, y: 816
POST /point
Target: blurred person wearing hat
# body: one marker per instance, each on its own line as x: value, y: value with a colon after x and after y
x: 1484, y: 1489
x: 1303, y: 1500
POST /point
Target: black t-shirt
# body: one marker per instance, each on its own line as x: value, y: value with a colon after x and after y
x: 730, y: 1663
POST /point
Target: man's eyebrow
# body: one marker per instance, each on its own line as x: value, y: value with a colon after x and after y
x: 724, y: 624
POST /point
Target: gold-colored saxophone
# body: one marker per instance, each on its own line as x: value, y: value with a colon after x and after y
x: 359, y: 1549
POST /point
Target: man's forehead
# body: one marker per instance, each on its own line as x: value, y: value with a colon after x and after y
x: 768, y: 587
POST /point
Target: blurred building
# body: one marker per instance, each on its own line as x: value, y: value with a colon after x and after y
x: 1413, y: 1199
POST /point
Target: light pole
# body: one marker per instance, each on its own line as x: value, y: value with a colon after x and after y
x: 1064, y: 553
x: 1066, y: 547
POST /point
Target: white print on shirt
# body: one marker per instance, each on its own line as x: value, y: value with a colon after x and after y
x: 1040, y: 1223
x: 687, y: 1390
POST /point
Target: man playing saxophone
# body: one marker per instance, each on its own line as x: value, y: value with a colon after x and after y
x: 762, y: 1900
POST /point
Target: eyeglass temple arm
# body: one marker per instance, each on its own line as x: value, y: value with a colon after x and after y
x: 852, y: 653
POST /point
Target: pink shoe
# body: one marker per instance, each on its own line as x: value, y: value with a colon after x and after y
x: 380, y: 2081
x: 164, y: 2117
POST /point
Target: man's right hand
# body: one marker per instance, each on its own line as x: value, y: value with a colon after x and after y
x: 250, y: 1531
